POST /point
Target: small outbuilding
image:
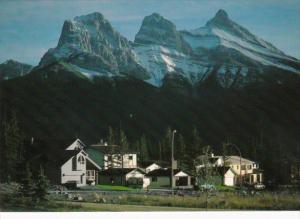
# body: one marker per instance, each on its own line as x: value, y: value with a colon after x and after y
x: 161, y: 178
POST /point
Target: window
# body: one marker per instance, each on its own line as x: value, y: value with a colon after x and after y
x: 249, y: 167
x: 243, y: 167
x: 81, y: 159
x: 154, y: 178
x: 237, y: 167
x: 74, y: 164
x: 109, y: 157
x: 130, y: 157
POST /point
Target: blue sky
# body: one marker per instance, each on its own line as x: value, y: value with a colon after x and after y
x: 30, y: 28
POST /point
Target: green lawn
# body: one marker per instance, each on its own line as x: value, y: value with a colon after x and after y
x: 115, y: 188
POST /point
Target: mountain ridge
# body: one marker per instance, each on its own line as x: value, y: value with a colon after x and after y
x: 12, y: 69
x: 92, y: 47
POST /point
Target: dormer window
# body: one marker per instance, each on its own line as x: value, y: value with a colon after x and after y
x: 81, y: 159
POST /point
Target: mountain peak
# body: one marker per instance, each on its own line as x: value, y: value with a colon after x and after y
x: 221, y: 19
x: 90, y: 17
x: 158, y: 30
x: 221, y: 14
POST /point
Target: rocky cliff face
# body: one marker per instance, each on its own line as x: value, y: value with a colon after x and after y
x: 222, y: 50
x: 91, y: 44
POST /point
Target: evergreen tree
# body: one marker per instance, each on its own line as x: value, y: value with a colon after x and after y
x: 111, y: 136
x: 184, y: 160
x: 123, y: 141
x: 13, y: 150
x: 27, y: 185
x: 143, y: 145
x: 160, y: 146
x: 166, y: 145
x: 41, y: 187
x: 196, y: 144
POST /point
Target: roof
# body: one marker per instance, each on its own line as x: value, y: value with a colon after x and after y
x: 164, y: 172
x: 66, y: 155
x: 237, y: 160
x: 110, y: 149
x: 95, y: 155
x: 76, y: 145
x: 118, y: 171
x: 146, y: 164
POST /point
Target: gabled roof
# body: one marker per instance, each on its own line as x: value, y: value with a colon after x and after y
x: 163, y: 172
x: 66, y: 155
x: 146, y: 164
x: 118, y: 171
x: 95, y: 155
x: 76, y: 145
x: 237, y: 160
x: 110, y: 149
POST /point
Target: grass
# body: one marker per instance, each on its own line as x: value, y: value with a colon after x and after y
x: 84, y: 206
x: 114, y: 188
x: 95, y: 201
x: 225, y: 188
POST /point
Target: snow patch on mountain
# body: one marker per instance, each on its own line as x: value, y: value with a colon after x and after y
x: 159, y: 61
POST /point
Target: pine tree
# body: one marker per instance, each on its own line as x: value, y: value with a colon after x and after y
x: 196, y: 144
x: 183, y: 157
x: 144, y: 148
x: 166, y: 145
x: 123, y: 141
x: 160, y: 146
x: 27, y: 185
x: 13, y: 150
x: 41, y: 187
x: 111, y: 136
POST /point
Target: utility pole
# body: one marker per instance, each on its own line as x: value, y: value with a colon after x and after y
x: 172, y: 162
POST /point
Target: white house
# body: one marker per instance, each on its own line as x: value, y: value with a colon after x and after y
x: 238, y: 169
x: 161, y: 178
x: 75, y: 171
x: 83, y: 163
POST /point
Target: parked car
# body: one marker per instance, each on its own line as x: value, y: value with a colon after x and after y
x: 259, y: 186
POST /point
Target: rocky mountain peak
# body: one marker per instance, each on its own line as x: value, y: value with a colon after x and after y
x: 91, y: 43
x: 221, y: 14
x: 221, y: 19
x: 95, y: 16
x: 157, y: 30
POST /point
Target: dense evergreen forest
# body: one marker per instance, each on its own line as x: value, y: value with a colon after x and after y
x: 41, y: 116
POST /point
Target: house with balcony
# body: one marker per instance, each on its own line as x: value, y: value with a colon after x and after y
x: 233, y: 169
x: 82, y: 164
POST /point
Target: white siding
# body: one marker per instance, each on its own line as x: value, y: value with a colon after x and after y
x: 229, y: 178
x: 78, y: 175
x: 152, y: 167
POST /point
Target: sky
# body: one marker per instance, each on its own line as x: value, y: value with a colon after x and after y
x: 29, y: 28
